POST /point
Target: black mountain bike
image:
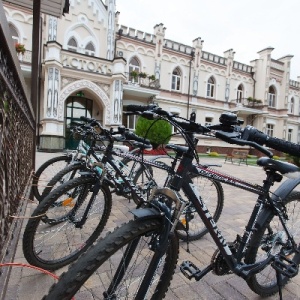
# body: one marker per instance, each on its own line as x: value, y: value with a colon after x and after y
x: 72, y: 216
x: 137, y: 260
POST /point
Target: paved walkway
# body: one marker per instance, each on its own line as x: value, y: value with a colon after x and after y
x: 29, y: 284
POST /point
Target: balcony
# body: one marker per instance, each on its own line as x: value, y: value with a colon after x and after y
x: 141, y: 86
x: 246, y: 106
x: 25, y: 58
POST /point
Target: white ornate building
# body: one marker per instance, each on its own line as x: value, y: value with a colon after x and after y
x: 87, y: 64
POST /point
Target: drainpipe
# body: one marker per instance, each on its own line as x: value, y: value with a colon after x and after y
x: 189, y: 87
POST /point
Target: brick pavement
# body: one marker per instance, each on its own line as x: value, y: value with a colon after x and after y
x: 28, y: 284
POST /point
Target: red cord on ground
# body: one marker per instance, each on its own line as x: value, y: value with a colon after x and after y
x: 31, y: 267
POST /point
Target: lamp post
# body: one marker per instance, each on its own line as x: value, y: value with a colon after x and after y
x: 189, y: 86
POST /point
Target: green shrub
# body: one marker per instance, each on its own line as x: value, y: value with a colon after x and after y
x: 214, y: 154
x: 276, y: 157
x: 293, y: 159
x: 157, y: 131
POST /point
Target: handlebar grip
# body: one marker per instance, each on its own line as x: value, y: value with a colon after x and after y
x: 140, y: 108
x: 132, y: 136
x: 252, y: 134
x: 283, y: 146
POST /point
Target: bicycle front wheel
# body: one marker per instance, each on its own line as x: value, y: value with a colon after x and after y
x: 116, y: 266
x: 66, y: 223
x: 270, y: 238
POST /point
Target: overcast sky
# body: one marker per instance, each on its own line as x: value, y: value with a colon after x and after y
x: 246, y: 26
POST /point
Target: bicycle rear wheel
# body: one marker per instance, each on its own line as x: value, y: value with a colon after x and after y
x: 46, y: 172
x: 265, y: 241
x: 211, y: 192
x: 115, y: 267
x: 57, y: 233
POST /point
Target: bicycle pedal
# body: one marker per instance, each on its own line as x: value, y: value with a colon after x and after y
x: 285, y: 266
x: 189, y: 270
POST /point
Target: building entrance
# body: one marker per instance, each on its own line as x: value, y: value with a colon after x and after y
x: 75, y: 108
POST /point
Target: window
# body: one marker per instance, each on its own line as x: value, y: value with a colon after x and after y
x: 210, y: 87
x: 290, y: 134
x: 134, y: 66
x: 14, y: 34
x: 208, y: 121
x: 176, y: 80
x: 239, y: 95
x: 90, y: 49
x: 272, y: 97
x: 291, y: 106
x: 130, y: 121
x: 72, y: 45
x: 175, y: 130
x: 270, y: 129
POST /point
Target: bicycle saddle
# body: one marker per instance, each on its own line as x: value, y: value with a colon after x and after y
x: 284, y: 168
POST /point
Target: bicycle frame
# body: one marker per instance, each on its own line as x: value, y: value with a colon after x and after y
x: 182, y: 181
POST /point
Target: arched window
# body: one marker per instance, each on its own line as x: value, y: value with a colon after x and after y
x: 14, y: 34
x: 272, y: 96
x: 134, y: 69
x: 176, y: 80
x: 90, y: 49
x: 72, y: 45
x: 240, y: 94
x: 210, y: 91
x: 291, y: 106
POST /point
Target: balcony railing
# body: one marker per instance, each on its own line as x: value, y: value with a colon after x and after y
x: 26, y: 57
x: 246, y: 102
x: 143, y: 82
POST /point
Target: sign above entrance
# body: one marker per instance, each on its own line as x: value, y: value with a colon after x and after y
x: 85, y: 64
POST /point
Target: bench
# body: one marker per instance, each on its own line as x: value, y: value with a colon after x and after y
x: 237, y: 154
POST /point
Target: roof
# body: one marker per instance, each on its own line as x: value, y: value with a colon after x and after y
x: 50, y: 7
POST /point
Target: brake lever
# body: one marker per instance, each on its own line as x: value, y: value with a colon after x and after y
x: 254, y: 145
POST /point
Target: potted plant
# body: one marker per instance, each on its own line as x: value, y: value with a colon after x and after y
x: 134, y: 74
x: 20, y: 48
x: 142, y: 75
x: 151, y: 77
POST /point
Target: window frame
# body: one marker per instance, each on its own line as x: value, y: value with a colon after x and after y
x: 90, y: 52
x: 210, y: 87
x: 134, y: 65
x: 270, y: 129
x: 291, y: 108
x: 176, y: 80
x: 272, y: 97
x: 240, y: 94
x: 72, y: 48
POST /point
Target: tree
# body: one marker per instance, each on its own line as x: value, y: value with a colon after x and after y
x: 157, y: 131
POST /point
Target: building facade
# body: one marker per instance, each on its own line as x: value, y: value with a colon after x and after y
x: 93, y: 66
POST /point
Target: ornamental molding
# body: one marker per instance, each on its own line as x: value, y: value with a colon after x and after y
x: 83, y: 85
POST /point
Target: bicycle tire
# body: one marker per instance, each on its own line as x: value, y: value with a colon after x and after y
x: 46, y: 171
x: 66, y: 174
x: 52, y: 237
x: 211, y: 192
x: 97, y: 263
x: 264, y: 283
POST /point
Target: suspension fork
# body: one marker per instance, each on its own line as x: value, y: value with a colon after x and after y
x: 96, y: 189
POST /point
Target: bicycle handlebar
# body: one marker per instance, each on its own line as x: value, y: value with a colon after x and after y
x: 229, y: 132
x: 252, y: 134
